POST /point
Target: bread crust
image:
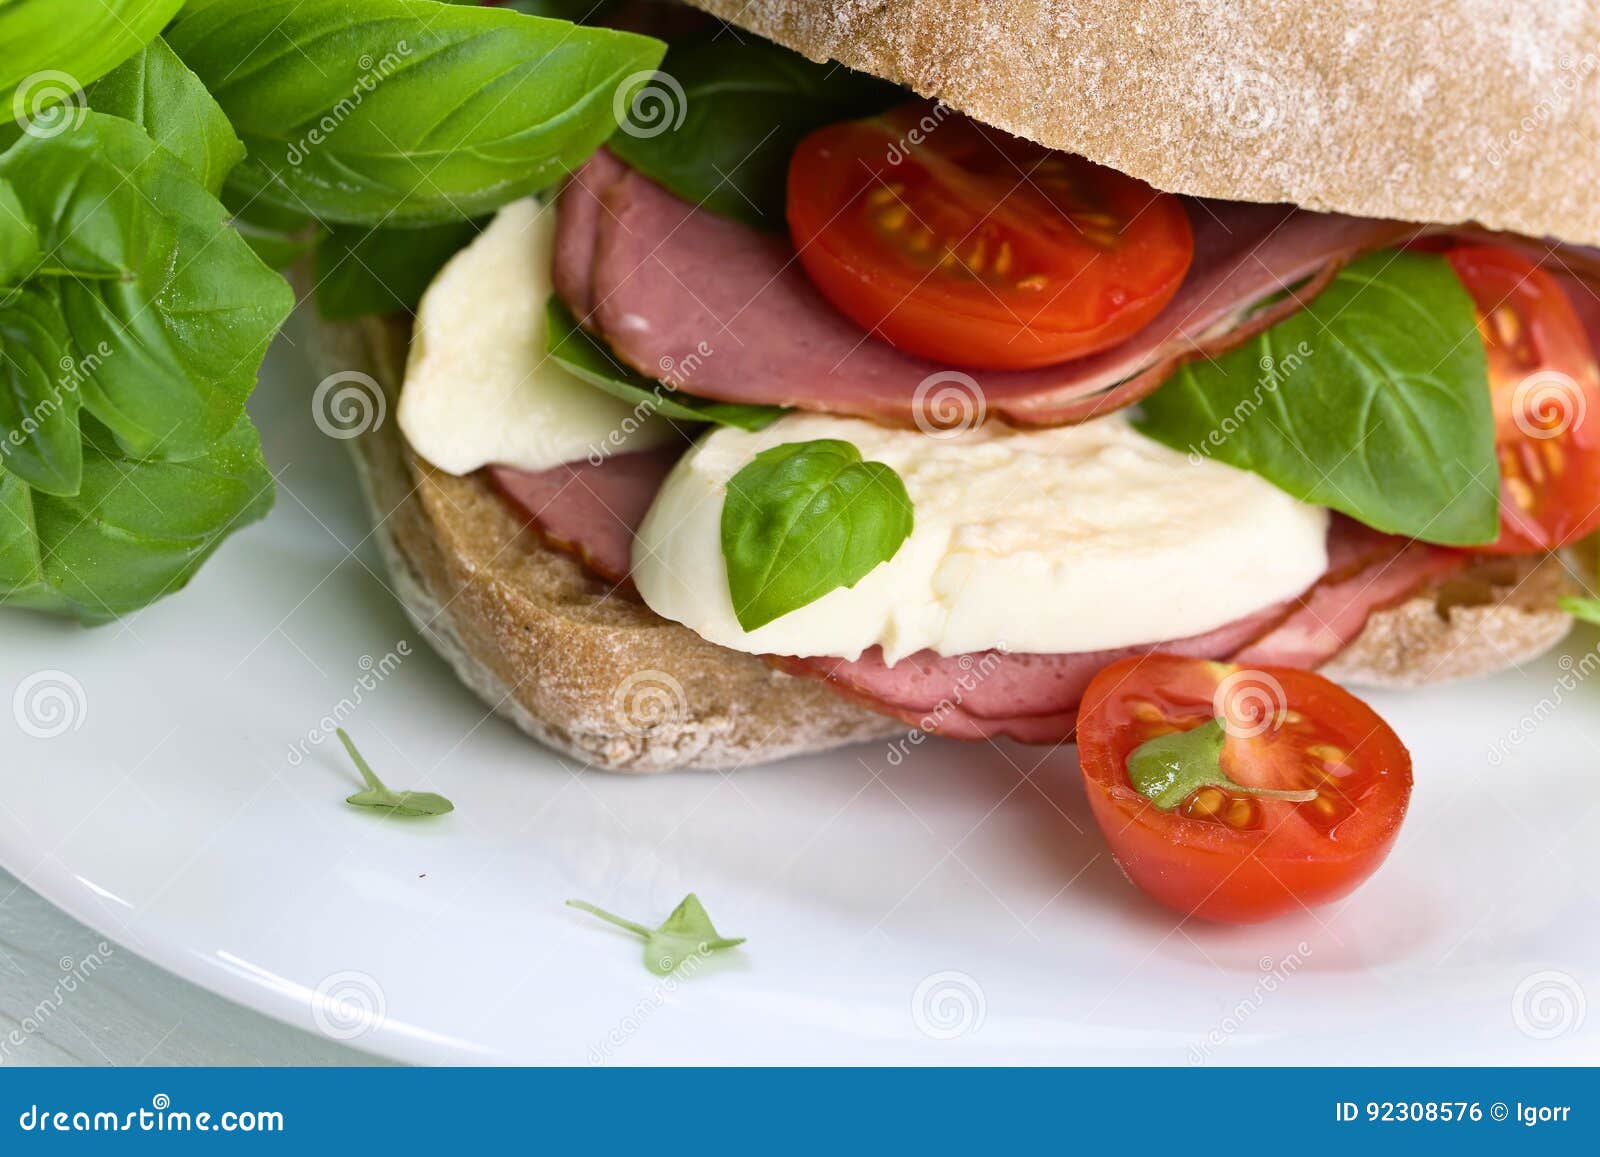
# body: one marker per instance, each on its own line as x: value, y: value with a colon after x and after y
x: 570, y: 660
x: 593, y: 673
x: 1443, y: 112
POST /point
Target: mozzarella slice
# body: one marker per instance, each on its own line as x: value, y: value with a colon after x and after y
x: 479, y: 387
x: 1080, y: 538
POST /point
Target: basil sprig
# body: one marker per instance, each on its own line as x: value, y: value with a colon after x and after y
x: 1373, y: 400
x: 409, y: 804
x: 586, y: 357
x: 806, y: 518
x: 1169, y: 769
x: 134, y: 308
x: 405, y: 112
x: 686, y: 933
x: 719, y: 125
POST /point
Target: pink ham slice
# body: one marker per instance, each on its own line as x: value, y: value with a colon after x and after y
x: 590, y: 509
x: 657, y: 277
x: 1034, y: 698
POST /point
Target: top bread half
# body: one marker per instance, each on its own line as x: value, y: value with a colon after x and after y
x: 1443, y: 112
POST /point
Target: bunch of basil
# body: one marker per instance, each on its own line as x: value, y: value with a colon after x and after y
x: 161, y: 150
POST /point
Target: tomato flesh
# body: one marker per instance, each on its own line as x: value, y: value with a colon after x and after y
x: 1231, y: 856
x: 1546, y: 390
x: 971, y: 247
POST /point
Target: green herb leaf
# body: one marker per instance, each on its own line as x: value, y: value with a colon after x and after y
x: 168, y: 311
x: 135, y: 530
x: 400, y: 803
x: 53, y: 47
x: 687, y: 933
x: 405, y: 112
x: 19, y: 240
x: 585, y: 356
x: 157, y: 92
x: 1169, y: 769
x: 719, y: 124
x: 1587, y: 609
x: 359, y: 271
x: 1373, y: 400
x: 806, y: 518
x: 39, y: 401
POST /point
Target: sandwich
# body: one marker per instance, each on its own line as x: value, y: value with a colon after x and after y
x: 909, y: 367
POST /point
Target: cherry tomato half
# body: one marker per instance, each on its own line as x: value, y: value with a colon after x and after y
x: 1546, y: 390
x: 975, y: 248
x: 1231, y: 855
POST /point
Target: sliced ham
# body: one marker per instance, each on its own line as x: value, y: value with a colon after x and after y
x: 590, y: 509
x: 656, y: 277
x: 1031, y: 698
x: 1034, y: 698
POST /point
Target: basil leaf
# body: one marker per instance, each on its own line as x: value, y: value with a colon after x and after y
x: 405, y: 112
x: 168, y: 310
x: 1587, y: 609
x: 135, y: 531
x: 1169, y: 769
x: 718, y: 124
x: 21, y: 568
x: 358, y: 271
x: 39, y: 399
x: 54, y: 47
x: 19, y: 240
x: 585, y: 356
x: 806, y: 518
x: 1373, y: 400
x: 687, y: 932
x: 401, y: 803
x: 156, y: 91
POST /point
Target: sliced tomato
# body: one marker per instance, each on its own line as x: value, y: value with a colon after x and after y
x: 1233, y: 855
x: 1546, y: 390
x: 974, y: 248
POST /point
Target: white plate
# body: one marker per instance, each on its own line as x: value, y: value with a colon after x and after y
x: 952, y: 906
